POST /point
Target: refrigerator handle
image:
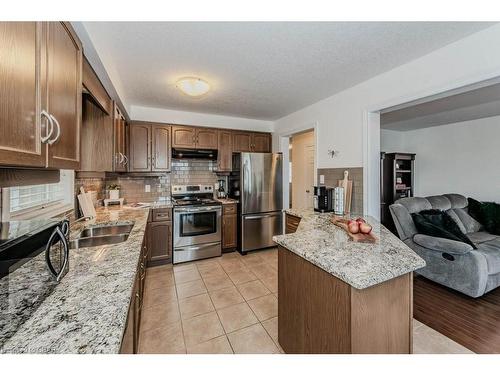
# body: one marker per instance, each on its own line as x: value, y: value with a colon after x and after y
x: 256, y: 217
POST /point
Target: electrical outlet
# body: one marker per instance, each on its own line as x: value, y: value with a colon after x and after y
x: 147, y: 188
x: 321, y: 179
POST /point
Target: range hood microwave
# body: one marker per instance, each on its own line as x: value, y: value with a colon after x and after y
x: 184, y: 153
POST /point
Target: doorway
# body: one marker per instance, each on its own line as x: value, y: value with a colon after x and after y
x: 302, y: 169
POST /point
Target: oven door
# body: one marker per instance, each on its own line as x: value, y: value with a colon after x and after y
x: 197, y: 225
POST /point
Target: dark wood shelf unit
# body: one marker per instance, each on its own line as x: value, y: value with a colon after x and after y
x: 392, y: 166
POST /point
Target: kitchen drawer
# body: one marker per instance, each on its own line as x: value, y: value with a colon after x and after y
x: 229, y: 209
x: 162, y: 214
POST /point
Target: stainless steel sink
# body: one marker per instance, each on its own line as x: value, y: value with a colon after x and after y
x: 98, y: 241
x: 106, y: 230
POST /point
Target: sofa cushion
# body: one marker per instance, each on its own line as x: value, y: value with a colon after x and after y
x: 415, y: 204
x: 439, y: 202
x: 470, y: 224
x: 457, y: 220
x: 482, y: 236
x: 457, y: 200
x: 491, y: 251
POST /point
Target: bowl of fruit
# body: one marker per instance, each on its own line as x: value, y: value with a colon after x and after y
x: 357, y: 229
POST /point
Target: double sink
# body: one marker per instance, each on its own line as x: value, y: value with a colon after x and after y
x: 102, y: 235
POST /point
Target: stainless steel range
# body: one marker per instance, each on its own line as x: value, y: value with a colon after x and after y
x: 197, y: 223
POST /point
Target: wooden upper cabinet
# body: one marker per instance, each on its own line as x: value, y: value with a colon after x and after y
x: 21, y: 122
x: 64, y: 94
x: 140, y: 148
x: 95, y: 88
x: 161, y: 152
x: 225, y: 153
x: 261, y: 142
x: 242, y: 141
x: 206, y: 139
x: 183, y: 137
x: 121, y: 159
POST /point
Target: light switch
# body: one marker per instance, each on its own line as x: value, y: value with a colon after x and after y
x: 321, y: 179
x: 147, y: 188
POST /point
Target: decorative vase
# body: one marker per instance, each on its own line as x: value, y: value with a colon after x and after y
x: 114, y: 194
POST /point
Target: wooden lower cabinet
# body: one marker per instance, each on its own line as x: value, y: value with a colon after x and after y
x: 130, y: 339
x: 229, y: 227
x: 320, y: 314
x: 159, y: 233
x: 291, y: 223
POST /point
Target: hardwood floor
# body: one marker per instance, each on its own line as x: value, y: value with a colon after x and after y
x: 472, y: 322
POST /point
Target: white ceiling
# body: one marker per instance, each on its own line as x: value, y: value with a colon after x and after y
x: 257, y: 70
x: 464, y: 106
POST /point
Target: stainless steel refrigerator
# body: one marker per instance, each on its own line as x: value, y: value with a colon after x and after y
x: 261, y: 199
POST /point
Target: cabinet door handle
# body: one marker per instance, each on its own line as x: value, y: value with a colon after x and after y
x: 51, y: 126
x: 126, y: 159
x: 121, y: 158
x: 58, y: 129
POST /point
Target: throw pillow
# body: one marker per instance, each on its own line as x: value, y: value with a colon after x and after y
x: 487, y: 213
x: 438, y: 223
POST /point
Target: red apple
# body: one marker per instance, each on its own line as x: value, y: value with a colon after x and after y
x: 353, y: 227
x: 365, y: 228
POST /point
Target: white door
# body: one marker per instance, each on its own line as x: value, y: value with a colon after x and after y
x: 303, y: 153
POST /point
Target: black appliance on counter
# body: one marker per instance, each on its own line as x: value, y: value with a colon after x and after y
x: 34, y: 257
x: 323, y: 199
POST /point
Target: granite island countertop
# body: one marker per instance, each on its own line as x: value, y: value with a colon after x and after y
x: 361, y: 265
x: 87, y: 311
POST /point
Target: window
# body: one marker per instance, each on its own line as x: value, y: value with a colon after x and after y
x: 25, y: 202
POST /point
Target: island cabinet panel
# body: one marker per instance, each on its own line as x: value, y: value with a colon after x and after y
x: 291, y: 223
x: 64, y: 94
x: 382, y: 317
x: 206, y: 139
x: 318, y: 313
x: 309, y: 319
x: 225, y: 153
x: 183, y: 137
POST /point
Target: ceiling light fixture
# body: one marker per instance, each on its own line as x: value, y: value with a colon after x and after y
x: 193, y: 86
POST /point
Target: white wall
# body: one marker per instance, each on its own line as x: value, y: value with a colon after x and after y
x: 341, y: 118
x: 459, y: 158
x: 391, y: 140
x: 139, y: 113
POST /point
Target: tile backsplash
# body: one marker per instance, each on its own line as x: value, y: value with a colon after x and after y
x: 332, y: 175
x: 184, y: 172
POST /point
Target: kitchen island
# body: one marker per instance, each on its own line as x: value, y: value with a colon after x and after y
x: 87, y: 311
x: 340, y: 296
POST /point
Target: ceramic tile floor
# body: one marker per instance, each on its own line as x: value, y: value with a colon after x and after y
x: 229, y: 305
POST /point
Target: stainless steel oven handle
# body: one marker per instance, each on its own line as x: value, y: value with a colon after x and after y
x: 194, y: 248
x: 199, y: 209
x: 57, y: 232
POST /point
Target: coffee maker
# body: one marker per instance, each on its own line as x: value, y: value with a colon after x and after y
x: 323, y: 199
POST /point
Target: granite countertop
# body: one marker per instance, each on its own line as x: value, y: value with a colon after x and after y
x: 87, y: 311
x: 226, y: 200
x: 361, y: 265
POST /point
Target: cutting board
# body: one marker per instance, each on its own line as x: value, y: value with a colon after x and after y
x: 347, y: 185
x: 86, y: 205
x: 358, y: 237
